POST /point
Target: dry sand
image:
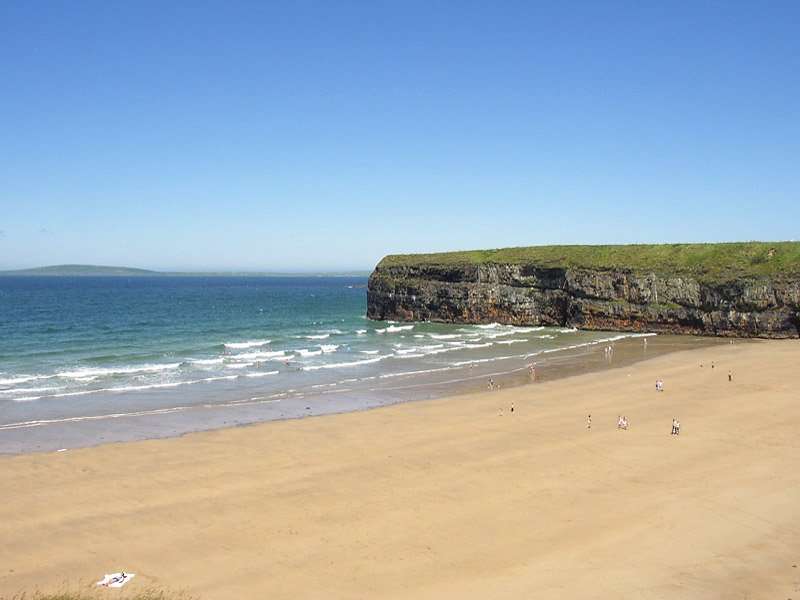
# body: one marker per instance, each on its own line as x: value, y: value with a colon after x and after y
x: 446, y: 498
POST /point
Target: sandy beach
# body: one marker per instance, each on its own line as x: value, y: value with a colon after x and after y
x: 449, y: 498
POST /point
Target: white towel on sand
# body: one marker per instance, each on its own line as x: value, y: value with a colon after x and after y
x: 116, y: 580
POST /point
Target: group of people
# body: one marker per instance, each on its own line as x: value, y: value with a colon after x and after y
x: 730, y: 373
x: 623, y: 423
x: 622, y: 420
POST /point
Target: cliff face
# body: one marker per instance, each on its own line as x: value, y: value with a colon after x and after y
x: 520, y: 294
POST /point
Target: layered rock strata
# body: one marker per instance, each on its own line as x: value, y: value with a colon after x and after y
x: 619, y: 300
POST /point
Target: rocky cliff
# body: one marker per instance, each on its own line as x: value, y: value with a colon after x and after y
x: 589, y: 298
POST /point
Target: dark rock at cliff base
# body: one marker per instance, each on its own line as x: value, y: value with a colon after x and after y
x: 620, y: 300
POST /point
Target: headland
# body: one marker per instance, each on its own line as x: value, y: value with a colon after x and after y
x: 747, y: 289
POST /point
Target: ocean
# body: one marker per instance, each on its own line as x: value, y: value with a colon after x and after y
x: 88, y: 360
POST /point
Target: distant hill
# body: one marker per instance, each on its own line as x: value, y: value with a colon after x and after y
x: 104, y: 271
x: 81, y: 271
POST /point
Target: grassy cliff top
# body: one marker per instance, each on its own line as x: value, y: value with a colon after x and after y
x: 717, y: 262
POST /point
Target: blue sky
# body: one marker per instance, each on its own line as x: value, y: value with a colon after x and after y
x: 323, y: 135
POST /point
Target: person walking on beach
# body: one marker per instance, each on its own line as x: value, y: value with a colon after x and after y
x: 677, y: 427
x: 730, y: 375
x: 512, y: 408
x: 673, y: 426
x: 589, y: 423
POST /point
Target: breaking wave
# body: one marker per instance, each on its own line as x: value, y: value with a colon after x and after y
x: 249, y: 344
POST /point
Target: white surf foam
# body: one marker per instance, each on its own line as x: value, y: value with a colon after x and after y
x: 430, y: 347
x: 510, y: 330
x: 33, y: 390
x: 261, y: 355
x: 443, y: 350
x: 343, y: 365
x: 321, y: 336
x: 485, y: 360
x: 23, y: 379
x: 126, y: 388
x: 305, y: 352
x: 328, y: 348
x: 206, y: 361
x: 105, y: 371
x: 391, y: 375
x: 552, y: 350
x: 264, y: 374
x: 248, y: 344
x: 395, y: 328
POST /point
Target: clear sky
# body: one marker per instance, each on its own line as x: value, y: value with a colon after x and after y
x: 323, y: 135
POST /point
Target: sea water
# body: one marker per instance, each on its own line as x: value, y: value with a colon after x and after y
x: 91, y: 359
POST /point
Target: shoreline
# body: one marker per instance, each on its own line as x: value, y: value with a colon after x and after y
x: 85, y: 431
x: 445, y: 498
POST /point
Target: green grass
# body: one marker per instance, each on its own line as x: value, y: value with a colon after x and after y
x: 705, y: 262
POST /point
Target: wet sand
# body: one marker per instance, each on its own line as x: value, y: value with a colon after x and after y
x: 93, y: 420
x: 454, y: 497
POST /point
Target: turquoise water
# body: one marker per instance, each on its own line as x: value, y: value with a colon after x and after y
x: 80, y: 351
x: 66, y: 335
